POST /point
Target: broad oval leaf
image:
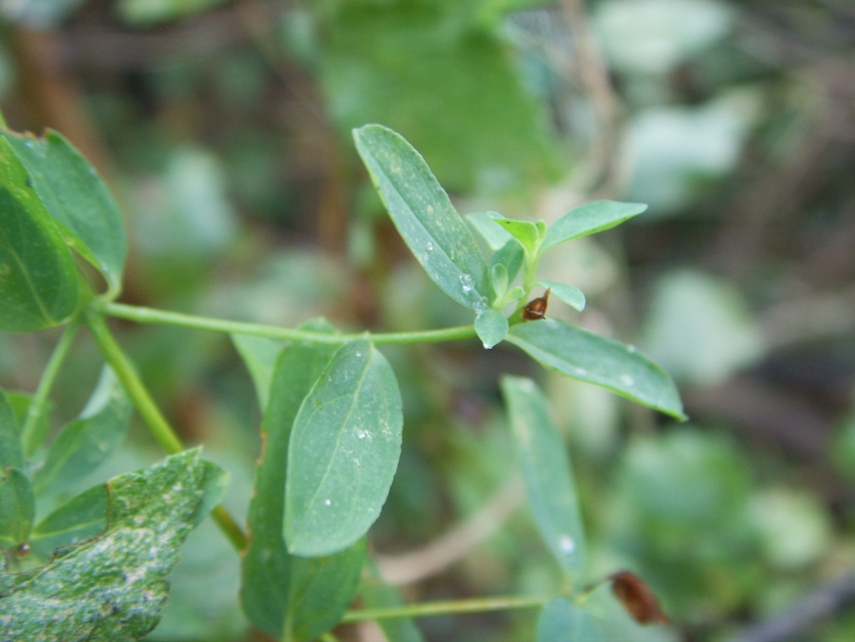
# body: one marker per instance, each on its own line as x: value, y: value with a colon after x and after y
x: 590, y: 357
x: 491, y: 326
x: 547, y: 475
x: 17, y: 508
x: 80, y: 518
x: 572, y: 296
x: 344, y: 451
x: 85, y: 443
x: 589, y: 218
x: 424, y: 215
x: 38, y: 278
x: 77, y: 198
x: 11, y: 453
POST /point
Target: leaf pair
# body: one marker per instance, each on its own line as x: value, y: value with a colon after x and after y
x: 51, y: 200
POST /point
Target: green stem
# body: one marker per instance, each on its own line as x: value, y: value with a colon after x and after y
x: 450, y: 607
x: 154, y: 419
x: 34, y: 431
x: 152, y: 315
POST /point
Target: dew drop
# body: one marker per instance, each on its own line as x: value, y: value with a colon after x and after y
x: 566, y: 545
x: 327, y: 502
x: 361, y: 434
x: 632, y: 349
x: 429, y: 246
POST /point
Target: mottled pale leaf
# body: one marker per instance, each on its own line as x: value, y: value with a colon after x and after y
x: 589, y: 219
x: 424, y: 215
x: 590, y: 357
x: 260, y: 355
x: 80, y: 518
x: 38, y: 278
x: 113, y: 587
x: 10, y: 437
x: 85, y: 443
x: 572, y: 296
x: 491, y: 326
x: 17, y: 507
x: 547, y: 474
x: 77, y: 198
x: 343, y: 453
x: 563, y: 621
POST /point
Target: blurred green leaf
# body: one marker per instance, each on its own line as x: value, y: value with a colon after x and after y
x: 343, y: 453
x: 85, y: 443
x: 375, y: 593
x: 572, y: 296
x: 491, y: 326
x: 114, y: 586
x: 563, y: 621
x: 260, y: 356
x: 150, y: 12
x: 589, y: 218
x: 17, y: 509
x: 590, y: 357
x: 487, y: 225
x: 11, y: 454
x: 548, y: 475
x: 77, y: 198
x: 424, y: 216
x: 511, y: 255
x: 80, y: 518
x: 38, y: 278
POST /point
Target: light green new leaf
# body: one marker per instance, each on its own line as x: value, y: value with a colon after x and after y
x: 590, y: 357
x: 17, y: 508
x: 491, y: 326
x: 11, y: 454
x: 343, y: 453
x: 525, y: 232
x: 38, y: 278
x: 424, y: 215
x: 511, y: 255
x: 112, y: 587
x: 572, y: 296
x: 265, y: 572
x: 80, y: 518
x: 563, y: 621
x: 547, y: 474
x: 77, y: 198
x: 85, y: 443
x: 589, y: 219
x: 260, y: 355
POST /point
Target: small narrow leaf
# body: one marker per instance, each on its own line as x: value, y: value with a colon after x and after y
x: 77, y: 198
x: 563, y: 621
x: 589, y: 219
x: 344, y: 452
x: 525, y: 232
x: 424, y: 215
x: 81, y: 518
x: 491, y: 326
x: 259, y: 355
x: 572, y: 296
x: 590, y: 357
x: 38, y: 278
x: 547, y: 474
x: 511, y: 255
x: 11, y: 454
x: 486, y: 224
x: 17, y: 508
x: 85, y: 443
x: 112, y: 587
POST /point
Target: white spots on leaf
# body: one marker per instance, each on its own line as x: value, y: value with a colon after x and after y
x: 327, y: 502
x: 567, y: 545
x: 580, y: 372
x: 627, y: 380
x: 429, y: 246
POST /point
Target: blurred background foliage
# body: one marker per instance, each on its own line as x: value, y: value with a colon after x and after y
x: 223, y: 127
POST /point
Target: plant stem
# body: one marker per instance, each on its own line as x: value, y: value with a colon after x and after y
x: 449, y: 607
x: 34, y: 429
x: 154, y: 419
x: 152, y: 315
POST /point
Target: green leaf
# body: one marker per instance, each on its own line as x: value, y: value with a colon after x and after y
x: 17, y: 508
x: 321, y: 589
x: 511, y: 255
x: 38, y: 278
x: 11, y: 454
x: 77, y: 198
x: 375, y: 593
x: 572, y: 296
x: 589, y: 219
x: 213, y: 482
x: 547, y: 474
x: 259, y: 355
x: 85, y: 443
x: 424, y: 215
x: 487, y: 225
x: 81, y: 518
x: 266, y: 564
x: 525, y: 232
x: 491, y: 326
x: 563, y: 621
x: 590, y: 357
x: 112, y: 587
x: 343, y: 453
